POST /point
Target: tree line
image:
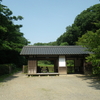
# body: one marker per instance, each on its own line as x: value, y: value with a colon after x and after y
x: 83, y: 22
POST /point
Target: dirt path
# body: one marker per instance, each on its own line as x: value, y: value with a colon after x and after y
x: 70, y: 87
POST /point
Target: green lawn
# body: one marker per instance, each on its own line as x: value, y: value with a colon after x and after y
x: 45, y: 64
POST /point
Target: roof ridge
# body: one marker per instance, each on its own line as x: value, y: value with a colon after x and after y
x: 53, y: 46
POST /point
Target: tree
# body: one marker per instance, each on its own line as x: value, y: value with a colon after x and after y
x: 45, y: 44
x: 10, y: 36
x: 83, y: 22
x: 91, y: 40
x: 64, y: 44
x: 11, y: 39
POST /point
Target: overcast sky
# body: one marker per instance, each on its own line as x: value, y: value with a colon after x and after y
x: 45, y: 20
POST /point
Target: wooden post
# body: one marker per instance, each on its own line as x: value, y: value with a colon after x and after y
x: 9, y: 69
x: 23, y: 68
x: 56, y: 66
x: 32, y: 66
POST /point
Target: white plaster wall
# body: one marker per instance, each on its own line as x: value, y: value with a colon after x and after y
x: 62, y: 61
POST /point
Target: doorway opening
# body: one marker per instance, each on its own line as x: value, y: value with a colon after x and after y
x: 70, y: 66
x: 45, y: 66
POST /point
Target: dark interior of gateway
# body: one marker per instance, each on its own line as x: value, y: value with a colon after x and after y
x: 70, y: 66
x: 74, y: 66
x: 46, y: 66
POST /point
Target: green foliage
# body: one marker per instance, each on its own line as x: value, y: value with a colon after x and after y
x: 45, y: 44
x: 39, y: 44
x: 10, y: 36
x: 45, y: 63
x: 83, y: 22
x: 64, y: 44
x: 70, y: 62
x: 96, y: 70
x: 11, y: 39
x: 5, y: 68
x: 70, y: 66
x: 91, y: 40
x: 86, y: 30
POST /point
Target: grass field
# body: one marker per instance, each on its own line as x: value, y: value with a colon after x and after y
x: 44, y: 64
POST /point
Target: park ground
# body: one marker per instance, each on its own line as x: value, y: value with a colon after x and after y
x: 70, y: 87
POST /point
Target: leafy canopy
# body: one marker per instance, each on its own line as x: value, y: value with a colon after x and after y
x: 83, y: 22
x: 91, y: 40
x: 10, y: 36
x: 11, y: 39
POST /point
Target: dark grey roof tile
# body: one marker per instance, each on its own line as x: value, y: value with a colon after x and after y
x: 53, y: 50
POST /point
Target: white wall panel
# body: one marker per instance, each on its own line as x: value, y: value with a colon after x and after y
x: 62, y: 61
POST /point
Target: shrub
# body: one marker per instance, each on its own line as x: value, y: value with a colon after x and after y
x: 7, y: 68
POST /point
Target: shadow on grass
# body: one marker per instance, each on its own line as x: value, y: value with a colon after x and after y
x: 8, y: 77
x: 92, y: 81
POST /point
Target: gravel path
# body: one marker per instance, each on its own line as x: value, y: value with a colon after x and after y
x: 70, y: 87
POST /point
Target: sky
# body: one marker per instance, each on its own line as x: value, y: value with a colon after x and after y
x: 46, y: 20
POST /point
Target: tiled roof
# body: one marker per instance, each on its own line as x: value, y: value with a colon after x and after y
x: 53, y: 50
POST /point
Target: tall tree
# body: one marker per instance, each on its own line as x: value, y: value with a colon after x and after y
x: 11, y: 39
x: 83, y: 22
x: 91, y: 40
x: 10, y: 35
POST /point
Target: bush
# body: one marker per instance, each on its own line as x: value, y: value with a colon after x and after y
x: 7, y: 68
x: 96, y: 70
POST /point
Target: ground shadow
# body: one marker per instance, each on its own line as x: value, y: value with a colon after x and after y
x: 93, y: 81
x: 11, y: 77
